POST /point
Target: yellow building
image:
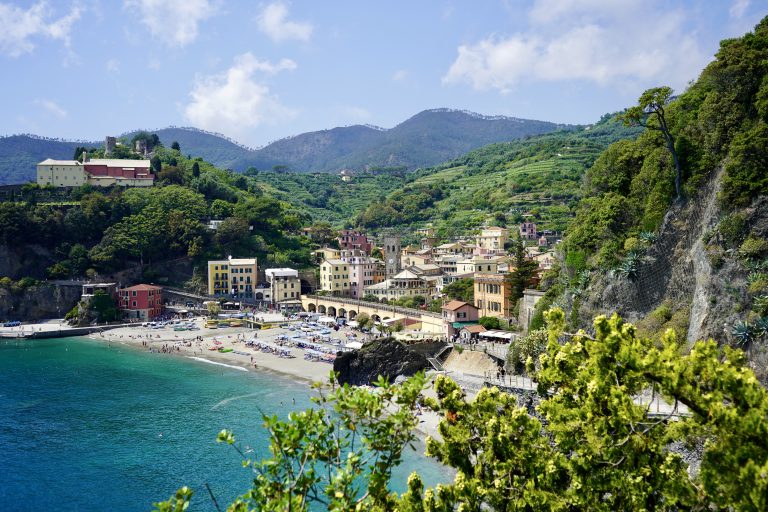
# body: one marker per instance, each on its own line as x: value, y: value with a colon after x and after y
x: 233, y: 276
x: 334, y: 276
x: 493, y: 238
x: 61, y: 173
x: 493, y: 295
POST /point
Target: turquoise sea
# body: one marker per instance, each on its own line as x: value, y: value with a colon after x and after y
x: 87, y: 426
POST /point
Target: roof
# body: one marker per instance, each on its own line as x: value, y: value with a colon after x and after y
x: 281, y: 272
x: 405, y: 274
x: 117, y: 162
x: 142, y: 287
x: 462, y: 325
x: 335, y: 262
x: 242, y: 261
x: 51, y: 161
x: 455, y: 304
x: 449, y: 245
x: 474, y: 329
x: 426, y: 266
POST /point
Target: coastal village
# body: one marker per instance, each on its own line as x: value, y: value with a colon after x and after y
x: 375, y: 270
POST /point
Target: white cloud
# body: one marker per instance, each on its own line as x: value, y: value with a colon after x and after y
x: 52, y: 107
x: 738, y: 8
x: 174, y: 22
x: 583, y: 40
x: 235, y: 100
x: 272, y: 21
x: 112, y: 65
x: 401, y: 75
x: 19, y: 26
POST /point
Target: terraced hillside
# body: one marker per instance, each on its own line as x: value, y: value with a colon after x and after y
x: 540, y: 176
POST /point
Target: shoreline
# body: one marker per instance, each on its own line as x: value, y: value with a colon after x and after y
x: 194, y: 346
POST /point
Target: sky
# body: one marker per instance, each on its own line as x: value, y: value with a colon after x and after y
x: 258, y: 72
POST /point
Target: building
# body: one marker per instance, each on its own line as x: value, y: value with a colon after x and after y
x: 141, y: 302
x: 334, y: 276
x: 545, y: 260
x: 363, y: 271
x: 403, y: 284
x: 99, y: 172
x: 284, y: 284
x: 90, y: 289
x: 391, y: 252
x: 493, y: 295
x: 456, y: 315
x: 326, y: 253
x: 475, y: 265
x: 234, y: 276
x: 350, y: 240
x: 528, y: 231
x: 493, y: 238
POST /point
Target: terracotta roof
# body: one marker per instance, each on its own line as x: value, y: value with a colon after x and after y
x: 140, y: 287
x: 473, y: 329
x: 454, y: 305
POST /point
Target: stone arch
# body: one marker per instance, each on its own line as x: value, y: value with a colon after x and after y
x: 321, y: 309
x: 311, y: 307
x: 331, y: 311
x: 352, y: 314
x: 259, y: 296
x: 384, y: 300
x: 385, y: 318
x: 342, y: 313
x: 375, y: 317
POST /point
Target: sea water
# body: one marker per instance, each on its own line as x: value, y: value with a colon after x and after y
x: 89, y: 426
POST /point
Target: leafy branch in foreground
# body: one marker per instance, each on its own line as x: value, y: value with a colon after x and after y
x: 589, y: 445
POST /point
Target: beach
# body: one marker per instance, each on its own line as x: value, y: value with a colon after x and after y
x: 202, y: 345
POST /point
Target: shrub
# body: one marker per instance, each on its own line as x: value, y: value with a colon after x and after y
x: 732, y: 229
x: 754, y: 248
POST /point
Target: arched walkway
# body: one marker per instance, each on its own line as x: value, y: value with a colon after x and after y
x: 342, y: 313
x: 376, y: 318
x: 352, y: 314
x: 312, y: 308
x: 321, y: 309
x: 259, y: 296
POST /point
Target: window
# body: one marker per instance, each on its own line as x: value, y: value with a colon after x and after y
x: 134, y: 303
x: 133, y: 294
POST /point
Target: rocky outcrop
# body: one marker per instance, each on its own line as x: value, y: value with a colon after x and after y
x: 41, y: 301
x: 22, y: 260
x: 385, y: 356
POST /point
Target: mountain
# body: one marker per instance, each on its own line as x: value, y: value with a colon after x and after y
x: 19, y: 154
x: 428, y: 138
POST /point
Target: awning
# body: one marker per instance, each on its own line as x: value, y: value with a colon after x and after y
x: 496, y: 334
x: 459, y: 325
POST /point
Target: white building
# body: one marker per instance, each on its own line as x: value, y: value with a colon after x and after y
x: 284, y: 284
x: 403, y: 284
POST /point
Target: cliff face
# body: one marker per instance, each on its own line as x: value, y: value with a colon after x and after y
x: 688, y: 271
x: 22, y: 260
x: 385, y: 356
x: 38, y: 302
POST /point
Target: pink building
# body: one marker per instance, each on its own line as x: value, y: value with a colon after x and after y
x: 363, y: 271
x: 143, y: 301
x: 351, y: 240
x: 528, y: 231
x: 458, y: 314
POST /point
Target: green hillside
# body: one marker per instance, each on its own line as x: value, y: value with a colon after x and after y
x: 499, y: 183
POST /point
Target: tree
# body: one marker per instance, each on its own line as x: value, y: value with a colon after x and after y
x: 525, y: 270
x: 587, y: 446
x: 213, y: 307
x: 196, y: 169
x: 651, y: 106
x: 462, y: 289
x: 171, y: 175
x: 489, y: 322
x: 363, y: 320
x: 156, y: 164
x: 175, y: 146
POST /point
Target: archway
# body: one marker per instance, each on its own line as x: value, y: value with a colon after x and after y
x: 376, y: 318
x: 331, y: 311
x: 352, y: 314
x: 311, y: 308
x: 259, y: 296
x: 342, y: 313
x: 384, y: 300
x: 385, y: 318
x: 321, y: 309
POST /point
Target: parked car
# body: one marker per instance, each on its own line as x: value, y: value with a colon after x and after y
x: 12, y: 323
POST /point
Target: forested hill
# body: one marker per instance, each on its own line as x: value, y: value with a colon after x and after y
x: 428, y: 138
x: 19, y: 155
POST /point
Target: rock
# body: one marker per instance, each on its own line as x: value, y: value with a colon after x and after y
x: 385, y: 356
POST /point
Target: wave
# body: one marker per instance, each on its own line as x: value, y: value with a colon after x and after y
x: 219, y: 364
x: 227, y: 400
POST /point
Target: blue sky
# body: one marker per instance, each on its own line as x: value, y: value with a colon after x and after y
x: 258, y: 72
